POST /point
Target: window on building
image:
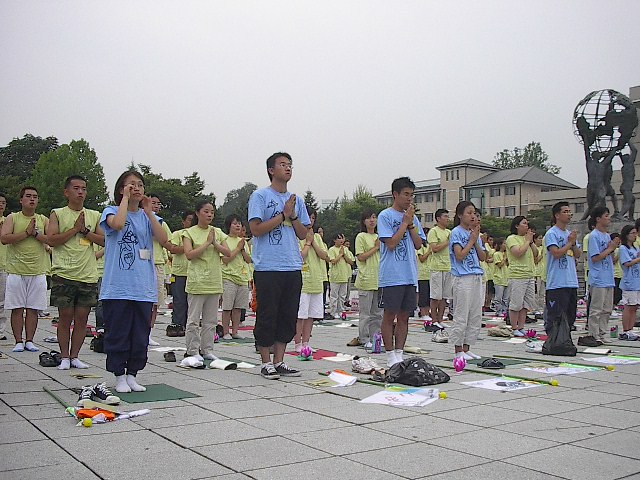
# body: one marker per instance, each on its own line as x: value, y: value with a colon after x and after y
x: 428, y: 217
x: 444, y: 198
x: 419, y: 216
x: 495, y: 192
x: 494, y: 212
x: 460, y: 194
x: 446, y: 174
x: 510, y: 190
x: 438, y: 195
x: 509, y: 211
x: 578, y: 208
x: 430, y: 197
x: 457, y: 174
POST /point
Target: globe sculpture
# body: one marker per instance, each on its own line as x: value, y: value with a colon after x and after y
x: 604, y: 122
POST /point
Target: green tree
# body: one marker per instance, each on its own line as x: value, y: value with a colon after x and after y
x: 328, y: 220
x: 17, y: 161
x: 237, y: 201
x: 53, y: 167
x: 310, y: 200
x: 351, y: 211
x: 541, y: 219
x: 497, y: 227
x: 530, y: 156
x: 177, y: 196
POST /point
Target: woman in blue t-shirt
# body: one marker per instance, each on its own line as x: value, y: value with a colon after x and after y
x: 129, y: 286
x: 466, y: 253
x: 630, y: 283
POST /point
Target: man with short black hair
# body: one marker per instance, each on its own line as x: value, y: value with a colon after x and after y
x: 441, y: 282
x: 3, y: 270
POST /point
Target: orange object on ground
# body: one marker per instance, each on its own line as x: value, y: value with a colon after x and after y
x: 92, y: 412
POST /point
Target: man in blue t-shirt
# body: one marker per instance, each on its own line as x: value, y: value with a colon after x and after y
x: 562, y: 278
x: 277, y: 219
x: 601, y: 281
x: 400, y: 235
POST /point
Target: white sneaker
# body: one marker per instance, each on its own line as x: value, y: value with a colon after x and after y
x: 440, y: 336
x: 473, y: 355
x: 65, y: 364
x: 466, y: 356
x: 439, y: 325
x: 426, y: 318
x: 210, y: 356
x: 19, y: 347
x: 152, y: 342
x: 227, y: 337
x: 518, y: 333
x: 337, y: 316
x: 298, y: 347
x: 368, y: 346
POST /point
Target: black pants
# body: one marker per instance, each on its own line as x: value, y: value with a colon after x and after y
x: 278, y: 297
x: 127, y: 328
x: 179, y: 312
x: 559, y: 302
x: 617, y: 292
x: 99, y: 314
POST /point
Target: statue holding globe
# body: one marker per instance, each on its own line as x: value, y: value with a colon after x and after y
x: 604, y: 122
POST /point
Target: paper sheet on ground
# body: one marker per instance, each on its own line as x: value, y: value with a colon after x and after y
x: 614, y: 360
x: 516, y: 340
x: 597, y: 351
x: 168, y: 349
x: 342, y: 379
x: 503, y: 384
x: 562, y: 369
x: 404, y: 396
x: 341, y: 357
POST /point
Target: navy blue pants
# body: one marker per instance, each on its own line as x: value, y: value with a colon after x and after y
x: 127, y: 326
x: 179, y: 312
x: 278, y: 297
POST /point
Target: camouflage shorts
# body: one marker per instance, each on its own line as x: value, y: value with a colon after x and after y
x: 69, y: 293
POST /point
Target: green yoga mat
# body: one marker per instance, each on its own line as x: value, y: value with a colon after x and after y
x: 156, y: 393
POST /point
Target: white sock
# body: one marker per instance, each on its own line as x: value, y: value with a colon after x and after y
x: 209, y: 356
x: 152, y: 342
x: 30, y: 347
x: 75, y: 363
x: 121, y: 384
x: 133, y: 384
x: 65, y: 364
x: 399, y: 356
x: 19, y: 347
x: 391, y: 358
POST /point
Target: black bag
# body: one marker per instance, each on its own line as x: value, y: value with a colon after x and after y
x: 175, y: 330
x: 97, y: 343
x: 559, y: 340
x: 416, y: 372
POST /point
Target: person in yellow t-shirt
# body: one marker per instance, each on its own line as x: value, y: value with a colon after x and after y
x: 521, y: 251
x: 99, y: 254
x: 203, y: 244
x: 368, y: 261
x: 159, y: 260
x: 424, y: 276
x: 3, y: 271
x: 340, y: 261
x: 74, y: 283
x: 441, y: 283
x: 179, y: 267
x: 488, y: 268
x: 27, y: 263
x: 501, y: 277
x: 314, y: 270
x: 235, y: 278
x: 539, y: 265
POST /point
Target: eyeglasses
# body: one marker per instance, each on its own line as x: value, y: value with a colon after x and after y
x: 285, y: 165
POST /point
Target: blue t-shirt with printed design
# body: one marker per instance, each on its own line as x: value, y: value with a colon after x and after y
x: 600, y: 273
x: 630, y: 275
x: 398, y: 266
x: 561, y: 272
x: 470, y: 265
x: 277, y: 250
x: 127, y: 276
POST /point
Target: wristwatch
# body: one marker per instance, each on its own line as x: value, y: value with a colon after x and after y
x: 84, y: 232
x: 293, y: 219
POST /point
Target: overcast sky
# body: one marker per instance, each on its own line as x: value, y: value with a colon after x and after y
x: 358, y: 92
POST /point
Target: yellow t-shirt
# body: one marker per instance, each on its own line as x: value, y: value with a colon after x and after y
x: 423, y: 267
x: 179, y: 262
x: 439, y: 261
x: 99, y: 261
x: 237, y: 270
x: 368, y: 270
x: 488, y: 267
x: 617, y: 269
x: 500, y: 274
x: 314, y: 269
x: 27, y: 257
x: 204, y: 274
x: 159, y: 255
x: 585, y: 250
x: 75, y: 259
x: 519, y: 267
x: 543, y: 262
x: 3, y: 250
x: 341, y: 271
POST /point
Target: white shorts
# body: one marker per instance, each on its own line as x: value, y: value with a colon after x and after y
x: 311, y: 306
x: 630, y: 297
x: 441, y: 286
x: 234, y: 296
x: 162, y: 290
x: 26, y: 291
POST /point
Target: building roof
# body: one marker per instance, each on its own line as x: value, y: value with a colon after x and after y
x: 521, y: 174
x: 469, y: 162
x: 421, y: 187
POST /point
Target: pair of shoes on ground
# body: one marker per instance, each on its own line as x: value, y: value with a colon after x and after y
x: 441, y: 336
x: 97, y: 393
x: 364, y: 365
x: 354, y: 342
x: 67, y: 363
x: 628, y: 336
x: 274, y: 372
x: 28, y: 346
x: 589, y: 341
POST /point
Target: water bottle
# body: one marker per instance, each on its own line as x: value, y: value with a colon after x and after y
x: 614, y: 331
x: 377, y: 343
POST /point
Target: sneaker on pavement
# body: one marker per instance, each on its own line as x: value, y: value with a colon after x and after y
x: 534, y: 346
x: 368, y: 346
x: 518, y: 333
x: 605, y: 340
x: 286, y: 371
x: 85, y: 394
x: 440, y: 336
x: 473, y: 355
x: 588, y: 341
x: 269, y: 372
x: 355, y: 342
x: 298, y: 347
x: 629, y: 336
x: 227, y: 337
x: 466, y: 356
x: 102, y: 394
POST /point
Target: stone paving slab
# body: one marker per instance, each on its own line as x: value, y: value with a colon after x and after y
x: 624, y: 443
x: 209, y: 433
x: 15, y: 455
x: 76, y: 471
x: 492, y: 471
x: 335, y: 467
x: 556, y: 429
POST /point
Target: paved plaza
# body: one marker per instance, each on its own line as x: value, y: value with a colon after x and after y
x: 242, y: 426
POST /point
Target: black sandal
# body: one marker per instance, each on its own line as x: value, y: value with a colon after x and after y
x: 47, y: 360
x: 169, y: 357
x: 57, y: 357
x: 492, y: 364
